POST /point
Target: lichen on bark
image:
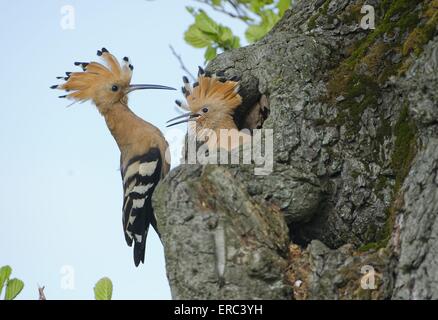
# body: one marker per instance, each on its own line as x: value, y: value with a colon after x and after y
x: 354, y: 180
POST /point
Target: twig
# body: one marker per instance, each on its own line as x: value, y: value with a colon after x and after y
x: 42, y: 296
x: 239, y: 15
x: 181, y: 63
x: 242, y: 14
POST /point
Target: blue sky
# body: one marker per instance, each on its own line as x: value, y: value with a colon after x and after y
x: 60, y: 190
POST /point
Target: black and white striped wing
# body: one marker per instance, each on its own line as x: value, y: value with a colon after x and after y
x: 140, y: 177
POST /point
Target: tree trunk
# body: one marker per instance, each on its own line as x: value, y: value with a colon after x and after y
x: 354, y: 187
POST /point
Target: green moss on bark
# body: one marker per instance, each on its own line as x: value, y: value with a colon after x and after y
x: 311, y: 24
x: 358, y: 78
x: 405, y: 147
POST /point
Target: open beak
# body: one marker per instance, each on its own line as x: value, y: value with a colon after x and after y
x: 134, y: 87
x: 190, y: 116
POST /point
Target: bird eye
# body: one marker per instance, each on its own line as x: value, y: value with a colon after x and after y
x: 114, y: 88
x: 205, y: 110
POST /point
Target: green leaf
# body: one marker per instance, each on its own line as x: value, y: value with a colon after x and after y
x: 235, y: 43
x: 227, y: 40
x: 206, y: 24
x: 225, y: 34
x: 103, y: 290
x: 256, y: 6
x: 216, y: 2
x: 282, y: 6
x: 210, y: 53
x: 196, y: 37
x: 13, y: 288
x: 5, y: 273
x: 269, y: 18
x: 255, y: 32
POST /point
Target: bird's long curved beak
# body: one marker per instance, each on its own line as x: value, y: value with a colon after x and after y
x: 190, y: 116
x: 134, y: 87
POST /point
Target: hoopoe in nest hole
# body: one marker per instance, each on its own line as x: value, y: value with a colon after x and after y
x: 212, y: 102
x: 144, y: 156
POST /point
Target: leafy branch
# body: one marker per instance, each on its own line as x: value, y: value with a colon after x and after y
x: 220, y: 6
x: 260, y: 16
x: 103, y: 290
x: 206, y: 33
x: 13, y: 286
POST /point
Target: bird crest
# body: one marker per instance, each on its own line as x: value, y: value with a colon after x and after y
x: 104, y: 84
x: 212, y: 94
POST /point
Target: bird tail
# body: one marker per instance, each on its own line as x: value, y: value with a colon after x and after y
x: 140, y: 177
x: 140, y: 247
x: 139, y: 251
x: 139, y: 229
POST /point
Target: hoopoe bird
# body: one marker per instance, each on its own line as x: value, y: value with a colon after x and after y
x: 144, y: 157
x: 212, y: 102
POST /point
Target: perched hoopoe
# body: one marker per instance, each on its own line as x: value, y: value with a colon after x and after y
x: 143, y: 147
x: 212, y: 101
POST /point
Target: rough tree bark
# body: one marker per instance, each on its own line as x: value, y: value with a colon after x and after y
x: 355, y: 115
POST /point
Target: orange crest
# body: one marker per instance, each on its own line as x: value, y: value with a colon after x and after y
x: 213, y: 91
x: 98, y: 82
